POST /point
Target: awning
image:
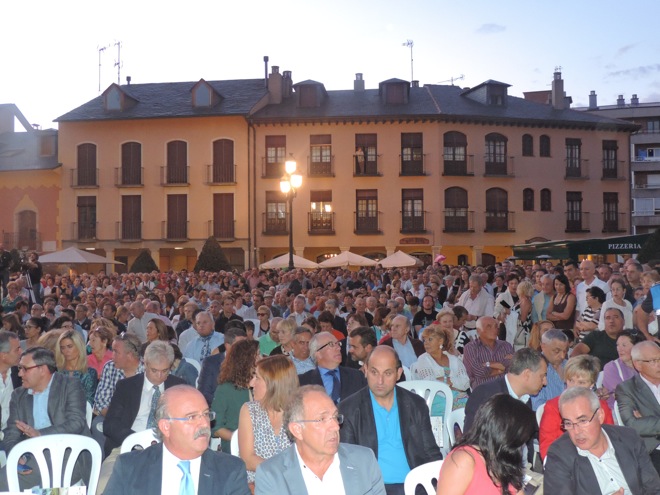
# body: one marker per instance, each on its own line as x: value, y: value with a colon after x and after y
x: 572, y: 249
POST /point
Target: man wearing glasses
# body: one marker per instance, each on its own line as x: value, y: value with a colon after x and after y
x: 317, y: 462
x: 596, y: 458
x: 182, y: 463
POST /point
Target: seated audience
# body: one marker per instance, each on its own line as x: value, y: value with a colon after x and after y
x: 621, y: 369
x: 71, y: 360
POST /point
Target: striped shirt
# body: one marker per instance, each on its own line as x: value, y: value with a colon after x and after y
x: 475, y: 356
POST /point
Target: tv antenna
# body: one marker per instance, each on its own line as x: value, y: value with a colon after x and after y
x: 410, y: 44
x: 452, y: 79
x: 118, y: 63
x: 101, y: 50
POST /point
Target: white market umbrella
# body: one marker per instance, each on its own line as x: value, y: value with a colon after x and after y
x: 72, y: 256
x: 283, y: 262
x: 347, y: 259
x: 399, y: 259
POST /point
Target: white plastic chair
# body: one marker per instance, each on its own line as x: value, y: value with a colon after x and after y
x: 539, y: 415
x: 89, y: 415
x: 456, y: 417
x: 195, y: 363
x: 599, y: 380
x: 234, y: 444
x: 422, y: 475
x: 143, y: 439
x: 407, y: 373
x: 617, y: 414
x: 57, y: 445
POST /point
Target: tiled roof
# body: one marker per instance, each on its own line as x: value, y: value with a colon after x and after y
x: 22, y: 151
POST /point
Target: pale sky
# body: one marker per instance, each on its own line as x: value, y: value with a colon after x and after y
x: 50, y: 60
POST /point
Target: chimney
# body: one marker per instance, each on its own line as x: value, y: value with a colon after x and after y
x: 266, y: 71
x: 128, y: 80
x: 620, y: 101
x: 358, y: 84
x: 287, y: 84
x: 275, y: 85
x: 593, y: 100
x: 634, y: 101
x: 415, y: 84
x: 558, y: 101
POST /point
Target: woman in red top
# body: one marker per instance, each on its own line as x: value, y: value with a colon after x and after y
x: 580, y: 371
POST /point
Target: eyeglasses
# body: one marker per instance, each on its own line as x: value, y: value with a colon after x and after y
x: 25, y: 369
x: 569, y: 425
x: 329, y: 344
x: 339, y: 418
x: 191, y: 418
x: 650, y: 361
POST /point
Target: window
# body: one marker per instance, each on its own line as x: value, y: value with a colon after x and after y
x: 202, y: 95
x: 223, y: 216
x: 131, y: 164
x: 495, y: 154
x: 653, y: 126
x: 320, y: 215
x: 395, y: 93
x: 320, y: 152
x: 86, y: 172
x: 308, y: 95
x: 611, y: 212
x: 28, y: 237
x: 366, y: 154
x: 113, y: 99
x: 412, y: 208
x: 275, y: 156
x: 131, y: 217
x: 528, y: 199
x: 610, y: 161
x: 497, y: 210
x: 177, y: 162
x: 223, y: 161
x: 177, y: 216
x: 527, y: 145
x: 544, y: 146
x: 275, y: 221
x: 573, y: 211
x: 456, y: 210
x: 573, y: 157
x: 366, y: 211
x: 86, y: 217
x: 546, y: 200
x: 412, y: 153
x: 455, y: 153
x: 48, y: 145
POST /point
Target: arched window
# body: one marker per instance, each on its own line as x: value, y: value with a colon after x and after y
x: 223, y: 161
x: 544, y: 146
x: 487, y: 259
x: 86, y: 172
x: 177, y: 162
x: 495, y: 155
x: 462, y: 259
x: 131, y: 164
x: 528, y: 199
x: 497, y: 210
x: 457, y: 216
x: 455, y: 153
x: 546, y: 200
x: 527, y: 145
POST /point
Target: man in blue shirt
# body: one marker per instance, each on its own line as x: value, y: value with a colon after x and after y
x: 554, y: 345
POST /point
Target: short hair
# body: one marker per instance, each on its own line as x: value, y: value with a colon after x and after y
x: 570, y: 394
x: 234, y: 324
x: 611, y: 308
x: 597, y: 293
x: 476, y: 278
x: 525, y: 359
x: 361, y: 319
x: 366, y: 334
x: 301, y: 330
x: 281, y: 378
x: 634, y: 336
x: 326, y: 317
x: 585, y: 366
x: 525, y: 288
x: 42, y: 357
x: 131, y: 343
x: 233, y: 332
x: 5, y: 340
x: 446, y: 311
x: 314, y: 344
x: 554, y: 334
x: 460, y: 311
x: 637, y: 349
x: 295, y: 409
x: 441, y: 333
x: 289, y: 325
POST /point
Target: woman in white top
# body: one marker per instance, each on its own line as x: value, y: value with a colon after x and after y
x: 617, y: 290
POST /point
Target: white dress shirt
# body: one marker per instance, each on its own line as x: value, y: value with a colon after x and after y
x: 332, y: 482
x: 140, y: 422
x: 172, y: 475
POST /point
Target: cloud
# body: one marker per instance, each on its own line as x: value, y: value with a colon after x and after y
x: 490, y: 28
x: 624, y: 49
x: 635, y: 72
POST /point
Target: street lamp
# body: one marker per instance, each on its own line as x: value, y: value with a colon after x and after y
x: 289, y: 184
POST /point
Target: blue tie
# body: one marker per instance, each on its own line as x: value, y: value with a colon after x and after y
x: 206, y: 347
x: 186, y: 487
x: 336, y: 385
x: 151, y: 420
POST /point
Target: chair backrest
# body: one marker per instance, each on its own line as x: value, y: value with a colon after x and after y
x: 144, y: 439
x: 195, y: 363
x: 234, y: 444
x: 599, y: 380
x: 456, y: 417
x: 539, y: 413
x: 422, y: 475
x: 89, y: 415
x: 407, y: 373
x: 617, y: 414
x: 57, y: 444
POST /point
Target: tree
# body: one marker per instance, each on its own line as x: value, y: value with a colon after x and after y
x: 144, y: 263
x: 651, y: 248
x: 212, y: 258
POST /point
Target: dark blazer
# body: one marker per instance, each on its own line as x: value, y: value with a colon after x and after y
x: 16, y: 382
x: 566, y: 471
x: 418, y: 345
x: 359, y: 426
x: 351, y: 380
x: 208, y: 375
x: 282, y: 474
x: 124, y: 407
x: 480, y: 395
x: 635, y: 395
x: 140, y: 472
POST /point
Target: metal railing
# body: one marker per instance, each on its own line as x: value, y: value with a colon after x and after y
x: 221, y: 230
x: 412, y: 167
x: 321, y: 222
x: 84, y: 178
x: 614, y: 222
x: 322, y: 168
x: 613, y: 170
x: 577, y: 221
x: 369, y: 224
x: 29, y: 240
x: 576, y: 168
x: 129, y: 231
x: 368, y: 168
x: 413, y: 224
x: 275, y: 223
x: 459, y: 167
x: 458, y: 220
x: 271, y: 170
x: 174, y: 231
x: 499, y: 169
x: 84, y: 231
x: 217, y: 174
x: 129, y: 177
x: 499, y: 221
x: 174, y: 176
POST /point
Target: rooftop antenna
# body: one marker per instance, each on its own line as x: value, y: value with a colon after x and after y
x: 101, y: 50
x: 118, y: 63
x: 410, y: 43
x: 452, y: 79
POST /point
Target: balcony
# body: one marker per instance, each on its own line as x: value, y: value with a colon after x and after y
x: 29, y: 240
x: 615, y: 222
x: 81, y: 178
x: 174, y: 176
x: 275, y: 223
x: 458, y: 220
x: 577, y: 221
x: 367, y: 224
x: 576, y: 169
x: 322, y: 168
x: 271, y: 170
x: 459, y: 168
x: 129, y: 231
x: 321, y: 223
x: 499, y: 221
x: 412, y: 167
x: 367, y: 169
x: 174, y: 231
x: 219, y: 174
x: 499, y: 169
x: 222, y: 230
x: 84, y: 231
x: 127, y: 177
x: 413, y: 224
x: 613, y: 170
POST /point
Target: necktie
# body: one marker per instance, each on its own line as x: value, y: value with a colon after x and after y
x: 151, y: 421
x: 336, y: 386
x: 206, y: 347
x: 186, y: 487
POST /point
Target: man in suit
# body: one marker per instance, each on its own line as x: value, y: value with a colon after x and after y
x: 48, y: 403
x: 637, y: 398
x: 595, y: 458
x: 339, y: 381
x: 208, y: 375
x: 312, y: 421
x: 390, y: 420
x: 184, y: 426
x: 10, y: 354
x: 541, y: 301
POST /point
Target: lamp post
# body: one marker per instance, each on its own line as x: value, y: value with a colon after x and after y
x: 289, y: 184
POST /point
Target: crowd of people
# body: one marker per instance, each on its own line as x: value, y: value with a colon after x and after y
x: 296, y: 369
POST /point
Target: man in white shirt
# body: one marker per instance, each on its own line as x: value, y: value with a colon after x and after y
x: 589, y: 280
x: 10, y: 354
x: 207, y: 339
x: 477, y: 302
x: 138, y: 324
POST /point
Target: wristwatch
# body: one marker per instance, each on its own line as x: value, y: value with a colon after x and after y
x: 487, y: 364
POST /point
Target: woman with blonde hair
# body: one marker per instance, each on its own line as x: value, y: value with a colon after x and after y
x: 525, y: 291
x: 71, y: 360
x: 287, y: 328
x: 261, y: 433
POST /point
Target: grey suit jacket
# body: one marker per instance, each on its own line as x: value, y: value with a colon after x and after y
x: 635, y: 395
x: 282, y: 473
x: 66, y: 410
